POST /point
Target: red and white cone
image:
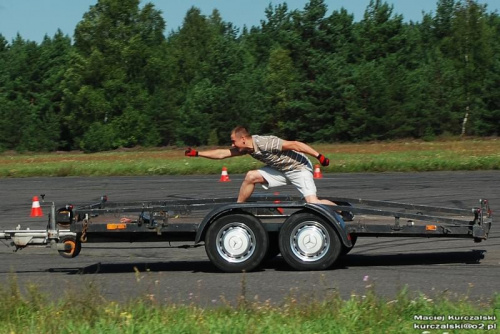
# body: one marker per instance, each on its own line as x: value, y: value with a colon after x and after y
x: 317, y: 172
x: 36, y: 209
x: 224, y: 177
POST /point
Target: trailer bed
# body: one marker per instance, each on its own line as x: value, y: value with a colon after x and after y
x: 238, y: 236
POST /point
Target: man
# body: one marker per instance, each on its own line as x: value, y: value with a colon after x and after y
x: 285, y: 162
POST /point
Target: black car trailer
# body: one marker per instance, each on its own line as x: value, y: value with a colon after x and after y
x: 240, y: 236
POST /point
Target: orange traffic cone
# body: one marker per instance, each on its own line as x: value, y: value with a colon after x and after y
x: 36, y: 209
x: 317, y: 172
x: 224, y: 177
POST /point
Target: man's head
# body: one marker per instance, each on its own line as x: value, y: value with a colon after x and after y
x: 241, y: 139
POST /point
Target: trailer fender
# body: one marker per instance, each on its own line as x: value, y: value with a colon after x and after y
x: 329, y: 214
x: 212, y: 216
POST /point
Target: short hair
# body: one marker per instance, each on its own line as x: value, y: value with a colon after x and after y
x: 241, y: 131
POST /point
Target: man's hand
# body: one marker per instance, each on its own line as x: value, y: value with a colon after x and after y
x: 190, y: 152
x: 324, y: 161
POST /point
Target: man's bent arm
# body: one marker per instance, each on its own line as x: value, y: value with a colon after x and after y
x: 304, y: 148
x: 299, y: 147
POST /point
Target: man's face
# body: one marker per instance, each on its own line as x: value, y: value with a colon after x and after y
x: 238, y: 141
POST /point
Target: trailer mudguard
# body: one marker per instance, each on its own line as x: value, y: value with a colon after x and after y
x: 330, y: 214
x: 213, y: 215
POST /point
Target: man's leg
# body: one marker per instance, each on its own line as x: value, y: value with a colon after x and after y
x: 248, y: 185
x: 304, y: 182
x: 315, y: 199
x: 346, y: 215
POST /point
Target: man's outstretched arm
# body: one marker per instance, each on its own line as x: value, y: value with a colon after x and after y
x: 216, y: 154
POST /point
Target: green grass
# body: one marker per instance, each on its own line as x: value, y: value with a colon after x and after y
x: 404, y: 156
x: 87, y: 311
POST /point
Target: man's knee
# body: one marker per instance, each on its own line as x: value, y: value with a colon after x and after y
x: 254, y: 176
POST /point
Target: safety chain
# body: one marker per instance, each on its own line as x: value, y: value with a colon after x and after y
x: 83, y: 238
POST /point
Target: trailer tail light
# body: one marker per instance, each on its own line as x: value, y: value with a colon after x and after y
x: 430, y: 227
x: 116, y: 226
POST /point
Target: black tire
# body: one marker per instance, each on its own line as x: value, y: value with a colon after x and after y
x: 345, y: 250
x: 308, y: 242
x: 75, y: 246
x: 236, y: 243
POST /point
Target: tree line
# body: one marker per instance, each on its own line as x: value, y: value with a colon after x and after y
x: 121, y: 81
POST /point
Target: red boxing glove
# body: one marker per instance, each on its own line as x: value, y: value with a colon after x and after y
x: 324, y: 161
x: 190, y: 152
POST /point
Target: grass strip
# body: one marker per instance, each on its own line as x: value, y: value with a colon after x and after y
x: 412, y: 156
x: 87, y: 311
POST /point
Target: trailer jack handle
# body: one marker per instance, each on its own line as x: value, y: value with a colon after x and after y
x: 52, y: 231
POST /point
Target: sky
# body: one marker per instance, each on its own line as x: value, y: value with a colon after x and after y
x: 33, y: 19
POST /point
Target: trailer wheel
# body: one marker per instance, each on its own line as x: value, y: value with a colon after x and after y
x: 75, y: 246
x: 236, y: 243
x: 308, y: 242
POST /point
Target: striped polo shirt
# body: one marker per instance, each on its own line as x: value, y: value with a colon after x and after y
x: 268, y: 149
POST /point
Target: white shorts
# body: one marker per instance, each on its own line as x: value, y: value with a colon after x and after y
x: 301, y: 179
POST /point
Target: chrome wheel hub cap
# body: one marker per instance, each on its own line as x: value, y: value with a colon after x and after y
x: 235, y: 242
x: 309, y: 241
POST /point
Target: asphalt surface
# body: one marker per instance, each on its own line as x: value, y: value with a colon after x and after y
x: 160, y: 271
